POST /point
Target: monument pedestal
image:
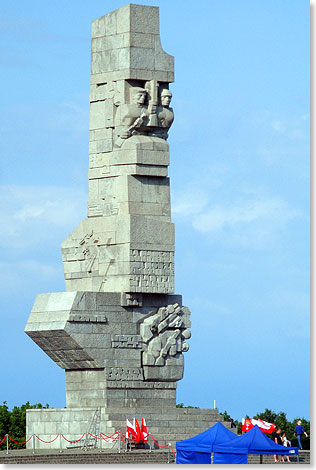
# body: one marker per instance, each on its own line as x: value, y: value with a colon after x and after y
x: 166, y: 424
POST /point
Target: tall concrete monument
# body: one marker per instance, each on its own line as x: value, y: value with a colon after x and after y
x: 119, y: 331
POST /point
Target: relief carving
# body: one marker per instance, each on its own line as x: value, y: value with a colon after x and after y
x: 127, y: 341
x: 131, y: 300
x: 134, y: 116
x: 90, y: 318
x: 152, y: 268
x: 141, y: 385
x: 93, y: 254
x: 165, y: 334
x: 147, y: 114
x: 124, y: 373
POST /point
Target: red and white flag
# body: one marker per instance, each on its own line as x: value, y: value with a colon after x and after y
x: 143, y: 430
x: 130, y: 430
x: 265, y: 427
x: 138, y: 431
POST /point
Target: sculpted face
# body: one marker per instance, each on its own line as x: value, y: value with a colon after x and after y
x: 166, y: 96
x: 139, y: 96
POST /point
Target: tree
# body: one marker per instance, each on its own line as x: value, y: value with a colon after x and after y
x: 267, y: 415
x: 226, y: 416
x: 181, y: 405
x: 4, y: 420
x: 14, y: 423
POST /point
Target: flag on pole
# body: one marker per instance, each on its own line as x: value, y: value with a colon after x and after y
x: 143, y: 429
x: 138, y: 432
x: 130, y: 429
x: 265, y: 427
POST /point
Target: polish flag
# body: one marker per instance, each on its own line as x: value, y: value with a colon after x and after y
x: 143, y: 429
x: 138, y: 432
x: 130, y: 429
x: 265, y: 427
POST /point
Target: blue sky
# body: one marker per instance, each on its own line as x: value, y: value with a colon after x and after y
x: 239, y: 172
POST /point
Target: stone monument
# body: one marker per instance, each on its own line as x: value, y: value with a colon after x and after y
x: 118, y: 330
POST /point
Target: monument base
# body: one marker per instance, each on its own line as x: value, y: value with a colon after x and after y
x: 165, y: 424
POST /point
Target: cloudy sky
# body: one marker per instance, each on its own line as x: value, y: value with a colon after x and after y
x: 239, y: 185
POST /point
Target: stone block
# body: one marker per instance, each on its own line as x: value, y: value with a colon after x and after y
x: 106, y: 25
x: 141, y: 58
x: 99, y: 146
x: 93, y: 340
x: 53, y: 302
x: 152, y: 246
x: 163, y: 61
x: 174, y: 372
x: 127, y: 354
x: 102, y: 134
x: 145, y: 229
x: 50, y: 427
x: 134, y: 169
x: 148, y: 190
x: 97, y: 113
x: 123, y: 58
x: 99, y: 160
x: 79, y: 284
x: 107, y: 43
x: 129, y: 328
x: 144, y: 19
x: 142, y: 40
x: 138, y: 156
x: 123, y: 19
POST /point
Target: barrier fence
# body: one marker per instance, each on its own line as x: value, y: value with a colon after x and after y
x: 103, y: 437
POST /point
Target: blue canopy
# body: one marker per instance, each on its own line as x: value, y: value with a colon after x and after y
x: 252, y: 442
x: 198, y: 449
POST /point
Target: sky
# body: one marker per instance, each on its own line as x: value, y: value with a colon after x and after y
x: 240, y: 183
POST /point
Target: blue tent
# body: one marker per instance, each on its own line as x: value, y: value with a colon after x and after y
x: 252, y: 442
x: 198, y: 449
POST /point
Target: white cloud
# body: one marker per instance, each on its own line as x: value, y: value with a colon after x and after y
x: 194, y: 202
x: 246, y: 212
x: 26, y: 276
x: 33, y: 214
x: 250, y: 223
x: 196, y: 195
x: 29, y: 212
x: 248, y: 218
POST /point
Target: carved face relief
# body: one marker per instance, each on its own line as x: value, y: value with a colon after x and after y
x: 166, y: 96
x: 139, y: 96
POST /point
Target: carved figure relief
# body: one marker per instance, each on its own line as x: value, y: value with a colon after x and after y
x: 144, y: 115
x: 134, y: 116
x: 164, y: 335
x: 165, y: 113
